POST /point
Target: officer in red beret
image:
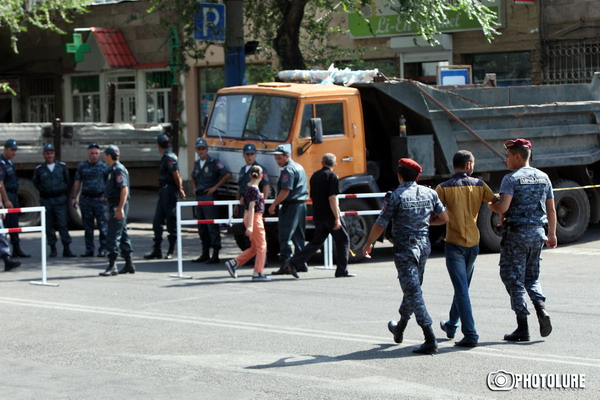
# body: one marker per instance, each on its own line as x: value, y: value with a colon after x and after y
x: 411, y: 209
x: 527, y: 204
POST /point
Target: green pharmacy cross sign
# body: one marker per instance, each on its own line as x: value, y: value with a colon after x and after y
x: 77, y: 48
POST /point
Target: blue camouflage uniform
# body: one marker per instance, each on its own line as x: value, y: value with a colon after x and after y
x: 116, y: 235
x: 167, y: 200
x: 93, y: 206
x: 205, y: 177
x: 53, y: 187
x: 11, y: 183
x: 524, y: 235
x: 409, y: 208
x: 292, y: 214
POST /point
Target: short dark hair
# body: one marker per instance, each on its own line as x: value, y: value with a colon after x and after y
x: 461, y: 158
x: 408, y: 174
x: 524, y: 152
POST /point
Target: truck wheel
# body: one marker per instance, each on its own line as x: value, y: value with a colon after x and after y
x: 28, y: 197
x: 358, y: 226
x: 490, y: 235
x: 572, y: 211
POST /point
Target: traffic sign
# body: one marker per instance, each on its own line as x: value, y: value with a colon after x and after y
x: 210, y: 22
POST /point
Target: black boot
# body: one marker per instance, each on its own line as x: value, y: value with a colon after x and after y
x: 203, y: 257
x: 17, y: 252
x: 67, y: 251
x: 112, y: 267
x: 88, y: 253
x: 215, y: 257
x: 53, y: 252
x: 170, y: 251
x: 430, y: 345
x: 156, y: 253
x: 129, y: 268
x: 543, y: 318
x: 397, y: 329
x: 8, y: 263
x: 521, y: 334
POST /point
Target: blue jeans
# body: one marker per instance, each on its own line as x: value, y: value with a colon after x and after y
x: 460, y: 262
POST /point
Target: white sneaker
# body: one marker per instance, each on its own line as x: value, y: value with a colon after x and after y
x: 231, y: 266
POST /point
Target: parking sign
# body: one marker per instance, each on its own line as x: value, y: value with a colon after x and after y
x: 210, y: 22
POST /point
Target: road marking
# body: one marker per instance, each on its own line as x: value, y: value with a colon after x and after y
x: 297, y: 331
x: 573, y: 251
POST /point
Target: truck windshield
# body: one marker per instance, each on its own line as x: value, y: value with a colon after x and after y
x: 246, y: 116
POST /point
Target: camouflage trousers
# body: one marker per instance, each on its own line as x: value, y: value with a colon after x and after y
x: 410, y: 264
x: 520, y: 271
x: 93, y: 210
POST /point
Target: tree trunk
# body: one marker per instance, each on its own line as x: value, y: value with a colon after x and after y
x: 287, y: 41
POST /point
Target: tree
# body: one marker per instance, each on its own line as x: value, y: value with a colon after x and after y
x: 18, y: 15
x: 290, y: 26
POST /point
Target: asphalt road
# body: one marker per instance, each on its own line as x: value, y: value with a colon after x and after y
x: 151, y: 336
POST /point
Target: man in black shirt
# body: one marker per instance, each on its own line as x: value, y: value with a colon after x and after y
x: 324, y: 187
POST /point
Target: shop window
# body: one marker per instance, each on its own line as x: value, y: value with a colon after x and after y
x: 511, y: 69
x: 86, y: 98
x: 158, y: 95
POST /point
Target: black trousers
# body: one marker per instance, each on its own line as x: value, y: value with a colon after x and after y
x: 340, y: 238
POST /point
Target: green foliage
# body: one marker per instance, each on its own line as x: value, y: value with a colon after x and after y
x: 430, y: 15
x: 18, y: 15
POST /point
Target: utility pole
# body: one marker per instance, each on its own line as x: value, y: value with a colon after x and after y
x: 235, y: 55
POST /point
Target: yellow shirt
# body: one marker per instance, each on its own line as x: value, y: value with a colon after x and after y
x: 462, y: 195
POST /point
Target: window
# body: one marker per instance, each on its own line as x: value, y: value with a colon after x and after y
x: 40, y: 103
x: 246, y: 116
x: 158, y: 95
x: 511, y: 69
x: 332, y: 118
x: 86, y: 98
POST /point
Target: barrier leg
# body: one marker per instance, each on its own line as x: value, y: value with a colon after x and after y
x: 43, y: 240
x: 179, y: 248
x: 327, y: 254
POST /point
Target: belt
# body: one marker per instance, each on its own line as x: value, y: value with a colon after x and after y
x: 94, y: 195
x: 293, y: 202
x: 52, y: 195
x: 166, y: 185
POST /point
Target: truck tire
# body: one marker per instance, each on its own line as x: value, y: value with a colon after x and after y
x: 490, y: 235
x: 572, y: 211
x: 358, y: 226
x: 28, y: 197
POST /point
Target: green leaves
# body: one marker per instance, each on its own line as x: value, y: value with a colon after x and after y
x: 17, y: 15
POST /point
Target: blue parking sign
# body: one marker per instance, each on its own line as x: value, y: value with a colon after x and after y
x: 210, y: 22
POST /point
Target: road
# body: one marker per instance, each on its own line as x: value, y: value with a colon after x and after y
x: 151, y: 336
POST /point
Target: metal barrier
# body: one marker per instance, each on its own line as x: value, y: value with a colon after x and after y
x: 327, y: 246
x: 41, y: 228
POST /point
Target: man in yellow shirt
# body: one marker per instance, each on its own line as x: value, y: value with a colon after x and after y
x: 462, y: 195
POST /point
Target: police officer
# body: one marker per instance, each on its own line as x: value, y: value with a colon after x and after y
x: 249, y: 153
x: 9, y: 185
x: 91, y: 177
x: 324, y: 188
x: 208, y: 175
x: 293, y: 193
x: 171, y: 189
x: 5, y: 250
x: 116, y: 193
x: 527, y: 203
x: 51, y: 178
x: 411, y: 209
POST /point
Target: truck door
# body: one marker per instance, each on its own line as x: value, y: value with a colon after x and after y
x: 336, y: 138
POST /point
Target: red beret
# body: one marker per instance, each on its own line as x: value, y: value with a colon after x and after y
x: 408, y: 163
x: 516, y: 143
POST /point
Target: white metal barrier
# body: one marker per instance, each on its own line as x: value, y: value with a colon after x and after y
x: 327, y: 247
x: 41, y: 228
